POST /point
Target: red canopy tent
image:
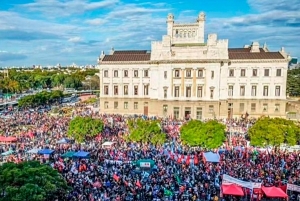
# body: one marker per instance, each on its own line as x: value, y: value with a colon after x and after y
x: 274, y: 192
x: 232, y: 189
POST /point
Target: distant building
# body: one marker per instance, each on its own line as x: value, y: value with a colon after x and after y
x: 186, y: 75
x: 293, y: 63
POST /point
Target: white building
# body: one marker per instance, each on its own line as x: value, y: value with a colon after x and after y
x: 184, y: 74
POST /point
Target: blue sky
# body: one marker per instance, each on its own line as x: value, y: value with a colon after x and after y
x: 47, y: 32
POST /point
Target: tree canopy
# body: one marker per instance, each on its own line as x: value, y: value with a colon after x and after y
x: 40, y: 98
x: 82, y: 127
x: 274, y: 131
x: 210, y: 134
x: 293, y: 82
x: 21, y: 80
x: 31, y: 181
x: 146, y: 131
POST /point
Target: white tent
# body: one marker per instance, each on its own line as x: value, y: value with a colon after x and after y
x: 107, y: 144
x: 63, y: 141
x: 33, y: 151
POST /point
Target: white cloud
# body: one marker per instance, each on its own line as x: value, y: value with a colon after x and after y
x: 75, y: 39
x: 67, y: 50
x: 130, y: 26
x: 96, y: 22
x: 55, y: 8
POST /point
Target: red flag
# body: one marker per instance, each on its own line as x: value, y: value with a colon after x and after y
x: 180, y: 158
x: 138, y: 184
x: 116, y: 177
x: 196, y: 160
x: 188, y: 160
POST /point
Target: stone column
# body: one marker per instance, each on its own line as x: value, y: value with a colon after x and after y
x: 194, y: 83
x: 182, y: 82
x: 172, y: 85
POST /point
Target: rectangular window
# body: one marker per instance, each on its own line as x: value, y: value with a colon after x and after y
x: 188, y: 73
x: 125, y: 73
x: 146, y: 90
x: 267, y: 72
x: 210, y: 109
x: 125, y: 105
x: 165, y: 74
x: 265, y: 107
x: 254, y: 72
x: 230, y: 91
x: 115, y: 73
x: 211, y: 93
x: 177, y: 73
x: 231, y: 72
x: 253, y: 91
x: 106, y: 90
x: 135, y: 105
x: 106, y: 105
x: 188, y: 91
x: 106, y: 73
x: 146, y: 73
x: 176, y: 112
x: 242, y: 107
x: 277, y: 91
x: 136, y: 90
x: 199, y: 113
x: 200, y: 73
x: 125, y: 89
x: 242, y: 90
x: 176, y: 94
x: 135, y: 73
x: 165, y: 93
x: 116, y: 105
x: 212, y: 74
x: 278, y: 72
x: 165, y: 110
x: 243, y: 72
x: 199, y: 92
x: 266, y: 91
x: 116, y: 90
x: 253, y: 107
x: 277, y: 107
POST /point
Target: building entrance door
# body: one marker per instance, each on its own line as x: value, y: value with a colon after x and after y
x: 146, y: 109
x: 187, y: 112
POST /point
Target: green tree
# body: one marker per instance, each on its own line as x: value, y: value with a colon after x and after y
x: 146, y: 131
x: 31, y: 181
x: 293, y: 82
x: 40, y: 98
x: 57, y: 80
x: 81, y: 128
x: 274, y: 131
x: 207, y: 135
x: 72, y: 82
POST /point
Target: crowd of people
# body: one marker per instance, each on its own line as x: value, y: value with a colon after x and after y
x: 177, y: 173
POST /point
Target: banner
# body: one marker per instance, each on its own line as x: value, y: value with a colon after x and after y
x: 231, y: 180
x: 117, y: 162
x: 145, y: 164
x: 293, y: 187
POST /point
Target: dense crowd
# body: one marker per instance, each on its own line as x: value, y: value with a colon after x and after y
x: 178, y: 172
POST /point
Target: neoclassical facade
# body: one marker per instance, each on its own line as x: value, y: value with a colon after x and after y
x: 185, y: 74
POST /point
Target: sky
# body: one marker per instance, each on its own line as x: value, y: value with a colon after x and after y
x: 48, y: 32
